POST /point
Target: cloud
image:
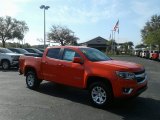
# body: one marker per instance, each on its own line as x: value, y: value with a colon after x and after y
x: 92, y: 11
x: 8, y: 8
x: 141, y: 8
x: 144, y: 10
x: 11, y: 7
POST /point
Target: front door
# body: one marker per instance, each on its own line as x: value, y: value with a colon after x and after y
x: 71, y: 73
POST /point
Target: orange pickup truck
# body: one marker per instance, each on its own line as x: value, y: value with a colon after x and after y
x: 85, y: 68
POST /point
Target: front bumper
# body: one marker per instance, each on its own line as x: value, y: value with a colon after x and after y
x: 15, y: 63
x: 130, y: 88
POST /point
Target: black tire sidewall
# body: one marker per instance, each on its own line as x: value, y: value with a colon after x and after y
x: 7, y: 63
x: 108, y: 91
x: 35, y: 82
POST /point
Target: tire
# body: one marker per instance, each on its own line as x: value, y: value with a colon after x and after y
x: 100, y: 94
x: 5, y: 65
x: 31, y: 80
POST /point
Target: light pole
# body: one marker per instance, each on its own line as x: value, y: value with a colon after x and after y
x: 45, y: 8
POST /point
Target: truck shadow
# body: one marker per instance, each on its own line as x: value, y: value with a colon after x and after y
x: 70, y: 93
x: 136, y: 109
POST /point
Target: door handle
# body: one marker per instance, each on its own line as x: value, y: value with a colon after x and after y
x: 60, y: 65
x: 45, y: 62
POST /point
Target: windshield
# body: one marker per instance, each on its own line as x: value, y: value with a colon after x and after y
x: 5, y: 51
x: 22, y: 51
x: 38, y: 51
x: 94, y: 54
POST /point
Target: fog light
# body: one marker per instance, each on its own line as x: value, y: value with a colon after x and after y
x: 127, y: 90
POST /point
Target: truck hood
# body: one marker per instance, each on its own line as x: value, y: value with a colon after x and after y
x: 122, y: 65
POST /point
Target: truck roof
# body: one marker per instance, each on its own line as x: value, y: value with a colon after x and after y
x: 68, y: 47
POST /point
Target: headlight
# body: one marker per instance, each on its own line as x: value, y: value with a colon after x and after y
x: 15, y: 57
x: 125, y: 75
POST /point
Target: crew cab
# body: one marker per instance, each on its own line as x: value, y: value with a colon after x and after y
x: 8, y: 58
x: 85, y: 68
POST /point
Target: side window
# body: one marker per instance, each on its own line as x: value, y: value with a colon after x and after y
x: 53, y: 53
x: 13, y: 50
x: 16, y: 51
x: 69, y: 55
x: 31, y: 51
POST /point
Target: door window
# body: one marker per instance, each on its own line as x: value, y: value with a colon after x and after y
x: 53, y: 53
x: 69, y: 55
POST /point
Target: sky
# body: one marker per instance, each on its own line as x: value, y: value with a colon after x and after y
x: 86, y: 18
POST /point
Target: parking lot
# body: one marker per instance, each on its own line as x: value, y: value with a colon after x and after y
x: 56, y: 102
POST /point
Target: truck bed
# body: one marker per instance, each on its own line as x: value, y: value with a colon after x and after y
x: 32, y: 61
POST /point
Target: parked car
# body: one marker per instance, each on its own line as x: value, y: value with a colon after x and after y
x: 143, y: 54
x: 136, y: 52
x: 22, y: 51
x: 140, y: 53
x: 8, y: 58
x: 155, y: 55
x: 35, y: 51
x: 147, y: 54
x: 85, y: 68
x: 150, y: 54
x: 42, y: 50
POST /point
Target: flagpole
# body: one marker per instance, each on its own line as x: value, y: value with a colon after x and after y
x: 118, y: 36
x: 112, y: 42
x: 115, y: 29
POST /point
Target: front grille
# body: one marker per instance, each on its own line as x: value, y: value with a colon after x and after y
x: 139, y: 72
x: 140, y: 79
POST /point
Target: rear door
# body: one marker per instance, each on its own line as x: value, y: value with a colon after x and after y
x: 49, y: 64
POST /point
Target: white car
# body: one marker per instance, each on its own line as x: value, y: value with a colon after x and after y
x: 143, y: 53
x: 8, y: 58
x: 150, y: 55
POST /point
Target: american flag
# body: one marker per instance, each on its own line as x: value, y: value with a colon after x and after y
x: 116, y: 26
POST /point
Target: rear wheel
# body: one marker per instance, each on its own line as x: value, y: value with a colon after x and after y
x: 5, y: 65
x: 32, y: 81
x: 100, y: 94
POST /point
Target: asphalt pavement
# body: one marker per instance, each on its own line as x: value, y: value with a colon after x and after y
x: 56, y: 102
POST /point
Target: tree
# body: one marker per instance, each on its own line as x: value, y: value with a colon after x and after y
x: 151, y: 31
x: 140, y: 46
x: 112, y: 46
x: 62, y: 35
x: 127, y: 47
x: 10, y: 28
x: 16, y: 45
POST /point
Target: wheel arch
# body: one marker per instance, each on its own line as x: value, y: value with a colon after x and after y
x: 4, y: 60
x: 29, y: 68
x: 93, y: 79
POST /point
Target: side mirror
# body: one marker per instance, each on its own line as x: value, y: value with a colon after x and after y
x: 77, y: 60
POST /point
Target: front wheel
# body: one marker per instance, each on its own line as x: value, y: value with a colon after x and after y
x: 100, y: 94
x: 32, y: 81
x: 5, y: 65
